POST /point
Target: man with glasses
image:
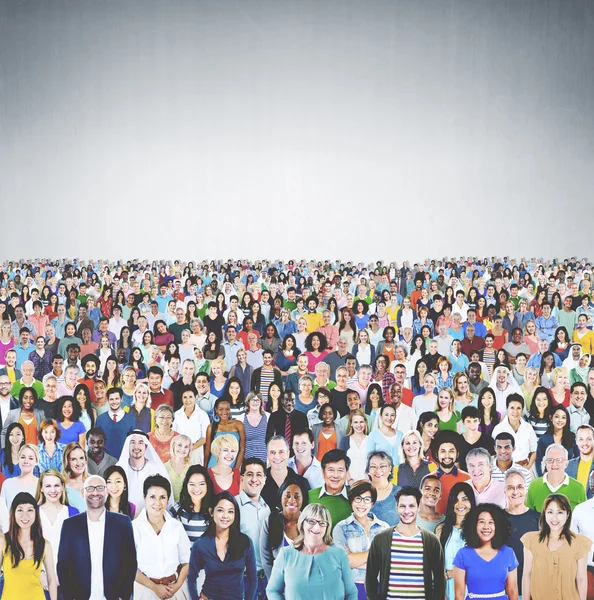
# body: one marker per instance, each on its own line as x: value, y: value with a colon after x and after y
x: 405, y: 560
x: 555, y: 481
x: 7, y: 401
x: 97, y: 554
x: 254, y: 513
x: 521, y: 518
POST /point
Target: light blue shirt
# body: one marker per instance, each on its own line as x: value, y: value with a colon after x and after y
x: 313, y: 474
x: 252, y: 517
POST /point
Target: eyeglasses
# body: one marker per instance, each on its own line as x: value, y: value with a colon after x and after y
x: 379, y: 467
x: 514, y: 488
x: 95, y: 488
x: 312, y: 522
x: 365, y: 500
x: 555, y: 461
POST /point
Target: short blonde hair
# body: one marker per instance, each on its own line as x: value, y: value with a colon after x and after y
x: 223, y: 440
x: 33, y: 449
x: 314, y: 511
x: 218, y: 362
x: 558, y: 371
x: 175, y: 440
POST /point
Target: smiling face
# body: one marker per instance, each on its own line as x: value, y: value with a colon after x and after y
x: 485, y: 527
x: 156, y: 502
x: 27, y: 460
x: 25, y: 516
x: 556, y: 517
x: 223, y: 514
x: 291, y: 501
x: 52, y: 488
x: 431, y: 491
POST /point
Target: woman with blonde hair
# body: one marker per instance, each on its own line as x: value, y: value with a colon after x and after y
x: 54, y: 508
x: 225, y: 477
x: 354, y: 443
x: 426, y: 401
x: 560, y: 390
x: 140, y: 408
x: 531, y: 382
x: 530, y: 337
x: 179, y: 463
x: 26, y: 481
x: 218, y: 381
x: 74, y: 469
x: 444, y: 409
x: 413, y: 468
x: 312, y: 566
x: 163, y: 432
x: 463, y: 397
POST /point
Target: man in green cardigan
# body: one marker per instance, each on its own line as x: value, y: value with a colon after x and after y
x: 405, y: 558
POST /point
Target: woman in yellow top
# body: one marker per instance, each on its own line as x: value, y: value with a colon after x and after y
x: 24, y: 551
x: 555, y: 558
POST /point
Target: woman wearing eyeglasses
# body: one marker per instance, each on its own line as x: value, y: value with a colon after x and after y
x: 313, y: 567
x: 355, y: 533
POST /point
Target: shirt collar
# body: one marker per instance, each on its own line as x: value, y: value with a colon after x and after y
x: 555, y: 488
x: 245, y: 499
x: 453, y: 472
x: 343, y: 493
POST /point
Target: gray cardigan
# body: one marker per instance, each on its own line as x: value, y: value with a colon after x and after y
x: 317, y: 431
x: 13, y: 417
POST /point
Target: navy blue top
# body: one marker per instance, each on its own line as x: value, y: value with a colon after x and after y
x: 224, y: 579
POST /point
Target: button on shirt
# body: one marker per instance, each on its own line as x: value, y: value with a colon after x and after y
x: 160, y: 555
x: 96, y: 539
x: 252, y: 517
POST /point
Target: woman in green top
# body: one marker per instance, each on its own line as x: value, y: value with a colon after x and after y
x: 444, y: 408
x: 179, y: 463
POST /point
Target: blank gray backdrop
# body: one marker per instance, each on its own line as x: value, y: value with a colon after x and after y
x: 360, y: 130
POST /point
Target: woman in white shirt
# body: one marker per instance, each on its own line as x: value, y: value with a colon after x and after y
x: 193, y: 422
x: 354, y: 443
x: 162, y: 546
x: 53, y: 506
x: 26, y: 481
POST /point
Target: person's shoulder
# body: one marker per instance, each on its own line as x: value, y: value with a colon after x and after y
x: 528, y: 539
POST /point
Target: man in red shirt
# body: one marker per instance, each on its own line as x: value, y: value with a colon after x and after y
x: 445, y: 452
x: 159, y: 395
x: 399, y: 377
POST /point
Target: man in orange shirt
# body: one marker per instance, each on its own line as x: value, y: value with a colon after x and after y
x: 445, y: 452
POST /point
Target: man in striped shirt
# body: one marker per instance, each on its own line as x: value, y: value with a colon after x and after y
x: 405, y: 562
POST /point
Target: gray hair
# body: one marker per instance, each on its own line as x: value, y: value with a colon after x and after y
x: 480, y: 453
x: 278, y: 438
x: 552, y: 447
x: 514, y: 471
x: 314, y: 511
x: 383, y: 456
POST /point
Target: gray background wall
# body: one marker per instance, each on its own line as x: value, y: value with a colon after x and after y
x: 308, y: 128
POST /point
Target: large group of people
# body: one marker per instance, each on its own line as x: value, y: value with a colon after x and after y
x: 285, y: 430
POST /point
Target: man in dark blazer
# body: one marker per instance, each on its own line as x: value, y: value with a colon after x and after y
x: 97, y: 550
x: 7, y: 402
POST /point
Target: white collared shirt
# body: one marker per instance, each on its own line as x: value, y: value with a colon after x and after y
x: 554, y: 488
x: 582, y: 521
x: 343, y: 493
x: 119, y: 415
x: 5, y: 408
x: 96, y: 540
x: 160, y: 555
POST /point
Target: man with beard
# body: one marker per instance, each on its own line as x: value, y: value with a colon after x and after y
x: 97, y: 554
x: 90, y: 365
x: 98, y: 460
x: 444, y: 449
x: 580, y: 468
x: 405, y: 559
x: 140, y: 460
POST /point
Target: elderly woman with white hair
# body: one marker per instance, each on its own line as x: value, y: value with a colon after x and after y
x: 313, y: 567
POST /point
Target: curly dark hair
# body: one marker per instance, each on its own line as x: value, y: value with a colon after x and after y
x: 321, y: 337
x: 59, y: 410
x: 502, y: 526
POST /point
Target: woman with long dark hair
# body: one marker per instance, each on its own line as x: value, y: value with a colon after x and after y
x: 280, y: 529
x: 24, y: 551
x: 224, y: 578
x: 559, y: 432
x: 555, y: 558
x: 117, y: 492
x: 195, y: 501
x: 9, y: 457
x: 461, y: 501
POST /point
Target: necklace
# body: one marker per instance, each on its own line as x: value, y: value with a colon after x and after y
x: 137, y: 470
x: 385, y: 488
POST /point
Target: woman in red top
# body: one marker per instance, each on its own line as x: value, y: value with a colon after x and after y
x: 105, y: 303
x: 225, y: 478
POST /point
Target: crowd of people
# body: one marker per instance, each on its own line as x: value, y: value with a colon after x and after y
x: 232, y: 430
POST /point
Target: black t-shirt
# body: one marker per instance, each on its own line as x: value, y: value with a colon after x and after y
x: 215, y: 324
x: 338, y: 400
x: 521, y: 524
